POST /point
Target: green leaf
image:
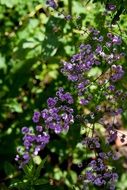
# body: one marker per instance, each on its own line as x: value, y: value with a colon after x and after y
x: 9, y: 3
x: 9, y: 169
x: 73, y: 176
x: 41, y: 181
x: 38, y: 170
x: 18, y: 184
x: 3, y: 187
x: 3, y: 64
x: 13, y: 105
x: 27, y: 170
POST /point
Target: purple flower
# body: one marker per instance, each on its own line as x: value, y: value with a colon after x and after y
x: 97, y: 62
x: 37, y: 114
x: 26, y: 156
x: 58, y: 129
x: 84, y: 102
x: 51, y: 102
x: 64, y: 96
x: 46, y: 138
x: 39, y: 128
x: 27, y: 144
x: 51, y: 3
x: 116, y: 40
x: 119, y: 111
x: 100, y: 174
x: 112, y: 137
x: 36, y: 150
x: 98, y: 181
x: 17, y: 158
x: 36, y: 117
x: 90, y: 176
x: 68, y: 17
x: 25, y: 130
x: 114, y: 177
x: 111, y: 87
x: 100, y: 39
x: 110, y: 7
x: 98, y: 49
x: 117, y: 73
x: 29, y: 138
x: 92, y: 142
x: 45, y: 113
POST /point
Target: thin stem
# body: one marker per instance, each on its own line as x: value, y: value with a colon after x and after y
x: 70, y: 7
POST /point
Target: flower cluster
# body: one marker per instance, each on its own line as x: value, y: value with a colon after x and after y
x: 104, y: 97
x: 91, y: 142
x: 33, y: 142
x: 117, y: 73
x: 98, y: 172
x: 58, y: 117
x: 90, y: 57
x: 104, y: 109
x: 100, y: 175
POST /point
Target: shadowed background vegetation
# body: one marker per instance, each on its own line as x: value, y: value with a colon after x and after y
x: 34, y: 41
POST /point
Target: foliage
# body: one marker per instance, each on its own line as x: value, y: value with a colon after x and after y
x: 35, y: 40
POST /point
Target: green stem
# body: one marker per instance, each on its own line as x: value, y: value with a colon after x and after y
x: 70, y: 7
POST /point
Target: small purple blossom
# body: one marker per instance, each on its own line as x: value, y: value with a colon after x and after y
x: 111, y: 87
x: 68, y: 17
x: 39, y: 128
x: 51, y: 3
x: 26, y: 156
x: 98, y: 181
x: 84, y: 101
x: 17, y: 158
x: 116, y: 40
x: 110, y: 7
x: 36, y: 117
x: 25, y: 130
x: 117, y: 73
x: 51, y: 102
x: 92, y: 143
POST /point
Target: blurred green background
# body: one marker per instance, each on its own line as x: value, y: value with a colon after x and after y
x: 33, y: 42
